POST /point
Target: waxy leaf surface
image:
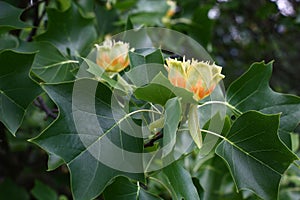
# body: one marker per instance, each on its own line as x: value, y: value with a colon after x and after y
x: 255, y: 155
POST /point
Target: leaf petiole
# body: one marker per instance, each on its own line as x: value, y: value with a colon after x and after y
x: 234, y: 109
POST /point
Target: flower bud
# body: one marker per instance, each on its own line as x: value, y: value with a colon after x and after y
x: 172, y: 8
x: 112, y: 56
x: 200, y: 78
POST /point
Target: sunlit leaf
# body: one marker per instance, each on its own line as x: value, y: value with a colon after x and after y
x: 149, y: 12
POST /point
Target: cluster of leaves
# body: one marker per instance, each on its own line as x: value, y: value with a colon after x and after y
x: 253, y: 150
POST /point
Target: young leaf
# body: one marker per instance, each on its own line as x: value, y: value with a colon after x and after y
x: 172, y: 118
x: 160, y: 90
x: 17, y: 90
x: 186, y: 95
x: 194, y: 126
x: 154, y: 93
x: 79, y: 145
x: 252, y: 92
x: 255, y: 155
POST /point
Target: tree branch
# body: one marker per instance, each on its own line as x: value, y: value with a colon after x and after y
x: 157, y: 136
x: 36, y: 20
x: 40, y: 103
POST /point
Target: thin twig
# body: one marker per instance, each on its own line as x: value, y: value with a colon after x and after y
x: 33, y: 5
x: 40, y: 103
x: 36, y: 21
x: 157, y: 136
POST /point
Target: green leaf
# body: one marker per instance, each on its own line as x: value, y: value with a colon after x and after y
x: 10, y: 18
x: 43, y: 192
x: 64, y: 4
x: 73, y: 35
x: 105, y: 19
x: 121, y: 189
x: 54, y: 162
x: 172, y: 118
x: 8, y: 41
x: 49, y: 64
x: 10, y: 190
x: 217, y: 181
x: 99, y: 72
x: 186, y: 95
x: 149, y: 12
x: 144, y: 67
x: 194, y: 126
x: 198, y: 186
x: 137, y: 59
x: 252, y: 92
x: 100, y: 75
x: 180, y: 182
x: 201, y: 28
x: 145, y: 195
x: 17, y: 90
x: 154, y: 93
x: 255, y: 155
x: 129, y: 24
x: 160, y: 90
x: 79, y: 145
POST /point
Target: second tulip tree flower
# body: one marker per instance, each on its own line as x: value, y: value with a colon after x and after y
x: 201, y: 78
x: 112, y: 56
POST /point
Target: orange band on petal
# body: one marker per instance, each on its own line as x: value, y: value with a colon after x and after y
x: 200, y: 78
x: 113, y: 56
x: 178, y: 81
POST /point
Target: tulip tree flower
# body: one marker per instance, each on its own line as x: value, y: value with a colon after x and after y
x: 112, y: 56
x: 200, y: 78
x: 172, y: 8
x: 170, y: 12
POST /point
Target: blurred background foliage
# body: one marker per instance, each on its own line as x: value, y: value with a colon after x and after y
x: 235, y: 33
